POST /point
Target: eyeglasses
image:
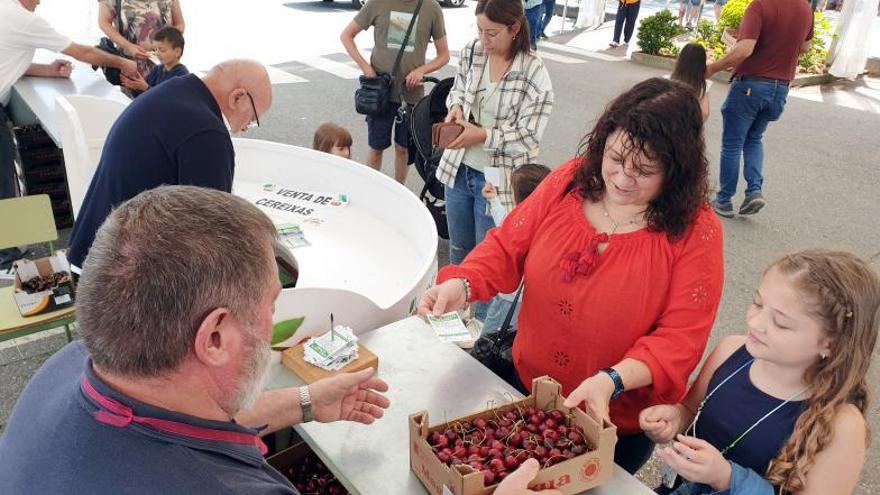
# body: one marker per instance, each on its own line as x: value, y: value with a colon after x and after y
x: 256, y: 122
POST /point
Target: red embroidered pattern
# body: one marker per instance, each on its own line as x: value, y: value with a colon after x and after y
x: 561, y: 358
x: 583, y: 262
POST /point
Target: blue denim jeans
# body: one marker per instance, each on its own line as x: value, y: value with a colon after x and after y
x: 468, y: 218
x: 748, y: 110
x: 549, y: 7
x: 535, y: 16
x: 743, y: 481
x: 7, y: 154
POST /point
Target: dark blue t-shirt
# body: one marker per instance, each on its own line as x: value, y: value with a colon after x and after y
x: 158, y: 74
x: 67, y: 434
x: 173, y: 134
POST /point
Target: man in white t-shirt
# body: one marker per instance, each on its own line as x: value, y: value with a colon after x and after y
x: 21, y: 33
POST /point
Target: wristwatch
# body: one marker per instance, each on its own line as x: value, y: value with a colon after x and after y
x: 305, y: 402
x: 618, y: 381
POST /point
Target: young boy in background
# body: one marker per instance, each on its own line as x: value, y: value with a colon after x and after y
x: 169, y: 49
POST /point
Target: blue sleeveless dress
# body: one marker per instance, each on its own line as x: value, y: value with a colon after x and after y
x: 735, y: 407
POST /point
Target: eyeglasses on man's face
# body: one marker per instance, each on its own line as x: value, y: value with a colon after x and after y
x: 256, y: 122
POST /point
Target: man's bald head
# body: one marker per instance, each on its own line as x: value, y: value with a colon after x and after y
x: 234, y: 83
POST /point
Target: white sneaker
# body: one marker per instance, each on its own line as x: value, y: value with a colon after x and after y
x: 614, y: 44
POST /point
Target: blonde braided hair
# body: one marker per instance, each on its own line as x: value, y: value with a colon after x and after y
x: 843, y: 293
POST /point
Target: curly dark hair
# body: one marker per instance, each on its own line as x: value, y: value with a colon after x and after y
x: 662, y: 122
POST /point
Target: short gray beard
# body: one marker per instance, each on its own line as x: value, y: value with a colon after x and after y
x: 256, y: 368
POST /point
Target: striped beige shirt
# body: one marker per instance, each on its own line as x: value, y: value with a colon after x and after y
x: 525, y: 100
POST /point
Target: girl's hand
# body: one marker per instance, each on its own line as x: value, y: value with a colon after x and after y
x: 596, y: 393
x: 443, y: 298
x: 454, y: 114
x: 489, y: 191
x: 661, y: 423
x: 471, y: 136
x: 698, y: 461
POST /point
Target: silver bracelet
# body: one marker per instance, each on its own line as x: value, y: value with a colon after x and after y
x: 467, y: 289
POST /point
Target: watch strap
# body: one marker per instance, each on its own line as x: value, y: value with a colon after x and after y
x: 618, y: 381
x: 305, y: 402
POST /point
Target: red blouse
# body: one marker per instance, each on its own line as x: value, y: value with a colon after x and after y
x: 645, y: 297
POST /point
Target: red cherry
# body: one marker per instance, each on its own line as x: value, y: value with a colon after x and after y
x: 531, y: 428
x: 484, y: 451
x: 557, y: 415
x: 511, y: 416
x: 496, y: 444
x: 510, y: 462
x: 501, y: 475
x: 541, y: 415
x: 575, y: 437
x: 444, y: 457
x: 460, y: 452
x: 578, y: 449
x: 535, y: 420
x: 515, y: 440
x: 495, y: 454
x: 488, y: 477
x: 550, y: 423
x: 480, y: 423
x: 496, y: 465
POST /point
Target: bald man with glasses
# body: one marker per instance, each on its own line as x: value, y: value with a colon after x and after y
x: 177, y: 133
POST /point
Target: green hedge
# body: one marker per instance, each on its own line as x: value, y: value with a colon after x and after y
x: 656, y: 33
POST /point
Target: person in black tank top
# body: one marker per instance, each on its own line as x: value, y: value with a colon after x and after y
x: 765, y: 405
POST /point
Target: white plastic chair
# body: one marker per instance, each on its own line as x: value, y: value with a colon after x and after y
x: 83, y: 122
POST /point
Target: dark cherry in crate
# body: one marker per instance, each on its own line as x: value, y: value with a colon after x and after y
x: 497, y: 444
x: 311, y: 477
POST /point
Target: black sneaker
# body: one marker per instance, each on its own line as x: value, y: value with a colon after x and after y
x: 723, y: 209
x: 752, y: 204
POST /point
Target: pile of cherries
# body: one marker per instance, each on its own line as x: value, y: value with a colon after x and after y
x: 311, y: 477
x: 498, y: 445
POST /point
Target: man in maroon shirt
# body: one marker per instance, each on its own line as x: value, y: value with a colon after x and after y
x: 771, y: 38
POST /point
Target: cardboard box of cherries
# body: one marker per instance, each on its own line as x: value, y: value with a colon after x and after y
x: 472, y: 454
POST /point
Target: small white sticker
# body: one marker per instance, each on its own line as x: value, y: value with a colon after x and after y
x: 62, y: 299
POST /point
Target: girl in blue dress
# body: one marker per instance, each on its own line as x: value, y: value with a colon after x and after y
x: 781, y: 409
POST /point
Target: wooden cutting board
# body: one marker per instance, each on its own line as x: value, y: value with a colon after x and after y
x: 293, y: 359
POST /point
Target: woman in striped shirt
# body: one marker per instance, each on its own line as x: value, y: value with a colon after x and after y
x: 503, y: 97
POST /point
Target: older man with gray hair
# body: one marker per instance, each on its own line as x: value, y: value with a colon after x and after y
x: 176, y: 133
x: 163, y: 395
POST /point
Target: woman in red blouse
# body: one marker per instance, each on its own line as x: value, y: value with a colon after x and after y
x: 622, y: 262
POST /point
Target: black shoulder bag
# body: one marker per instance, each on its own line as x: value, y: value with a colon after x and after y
x: 112, y: 74
x: 495, y: 351
x: 374, y: 95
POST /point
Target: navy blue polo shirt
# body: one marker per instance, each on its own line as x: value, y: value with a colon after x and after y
x: 158, y: 74
x: 173, y: 134
x: 71, y: 433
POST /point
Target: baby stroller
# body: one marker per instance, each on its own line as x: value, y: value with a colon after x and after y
x: 428, y: 111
